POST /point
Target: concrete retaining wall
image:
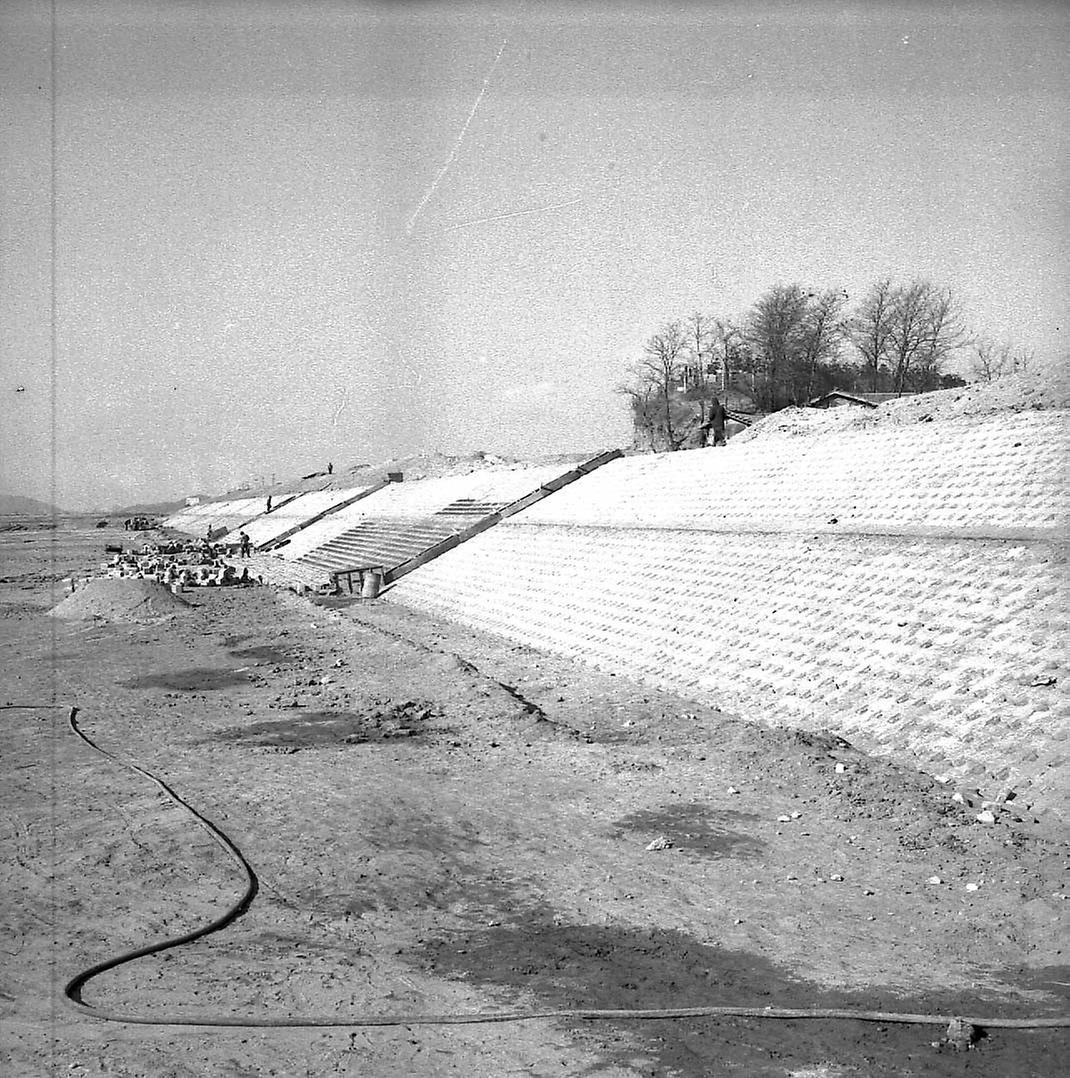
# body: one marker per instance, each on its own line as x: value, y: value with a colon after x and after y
x: 905, y: 586
x: 233, y: 513
x: 293, y: 513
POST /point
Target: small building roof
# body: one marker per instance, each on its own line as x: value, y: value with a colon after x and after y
x: 865, y: 400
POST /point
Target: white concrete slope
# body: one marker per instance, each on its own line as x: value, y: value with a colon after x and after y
x: 291, y: 514
x: 420, y: 498
x: 222, y: 515
x: 904, y: 586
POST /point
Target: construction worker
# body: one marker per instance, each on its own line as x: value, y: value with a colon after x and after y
x: 245, y: 544
x: 716, y: 420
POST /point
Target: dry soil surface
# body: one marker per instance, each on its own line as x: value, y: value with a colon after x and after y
x: 443, y: 822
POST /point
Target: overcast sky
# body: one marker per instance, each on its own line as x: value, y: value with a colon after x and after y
x: 287, y: 233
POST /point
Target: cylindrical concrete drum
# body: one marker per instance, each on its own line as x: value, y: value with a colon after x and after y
x: 370, y: 582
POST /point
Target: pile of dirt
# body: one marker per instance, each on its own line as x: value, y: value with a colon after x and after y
x: 115, y: 599
x: 1045, y: 387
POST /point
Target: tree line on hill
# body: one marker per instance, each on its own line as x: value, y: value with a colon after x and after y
x: 796, y: 344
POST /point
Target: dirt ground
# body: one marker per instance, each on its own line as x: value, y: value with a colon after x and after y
x: 443, y: 822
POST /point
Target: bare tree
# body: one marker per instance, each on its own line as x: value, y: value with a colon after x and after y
x: 908, y: 329
x: 698, y: 332
x: 775, y: 330
x: 926, y: 326
x: 871, y: 329
x: 821, y: 334
x: 991, y: 360
x: 945, y: 333
x: 659, y: 414
x: 728, y: 350
x: 644, y: 411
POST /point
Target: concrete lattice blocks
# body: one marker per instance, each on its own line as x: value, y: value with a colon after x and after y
x: 929, y: 623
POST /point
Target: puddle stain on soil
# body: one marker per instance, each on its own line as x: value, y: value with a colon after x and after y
x: 196, y: 679
x: 700, y: 829
x: 308, y: 729
x: 405, y: 859
x: 610, y: 967
x: 264, y: 653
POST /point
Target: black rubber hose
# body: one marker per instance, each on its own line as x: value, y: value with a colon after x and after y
x: 75, y: 986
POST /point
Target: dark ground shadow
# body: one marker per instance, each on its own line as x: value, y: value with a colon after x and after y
x: 610, y: 967
x: 196, y: 679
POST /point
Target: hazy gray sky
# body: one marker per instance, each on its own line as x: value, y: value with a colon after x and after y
x: 288, y: 233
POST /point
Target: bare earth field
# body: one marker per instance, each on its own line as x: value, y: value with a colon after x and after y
x: 442, y: 822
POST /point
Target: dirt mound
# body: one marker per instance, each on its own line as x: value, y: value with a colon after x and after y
x: 1046, y: 387
x: 114, y: 599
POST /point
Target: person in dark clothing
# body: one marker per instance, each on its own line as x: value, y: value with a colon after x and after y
x: 716, y: 421
x: 245, y: 544
x: 330, y: 468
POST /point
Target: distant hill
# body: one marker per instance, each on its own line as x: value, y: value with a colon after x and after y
x: 19, y: 505
x: 147, y: 509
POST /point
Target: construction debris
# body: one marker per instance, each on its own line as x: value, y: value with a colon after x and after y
x: 178, y: 565
x: 660, y: 843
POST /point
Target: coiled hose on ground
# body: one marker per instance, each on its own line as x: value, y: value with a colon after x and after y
x: 76, y: 985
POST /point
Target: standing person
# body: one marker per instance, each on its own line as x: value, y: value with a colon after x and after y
x: 246, y: 544
x: 717, y: 420
x: 268, y: 504
x: 701, y: 435
x: 330, y: 468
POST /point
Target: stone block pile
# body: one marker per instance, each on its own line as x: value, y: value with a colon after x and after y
x: 178, y: 565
